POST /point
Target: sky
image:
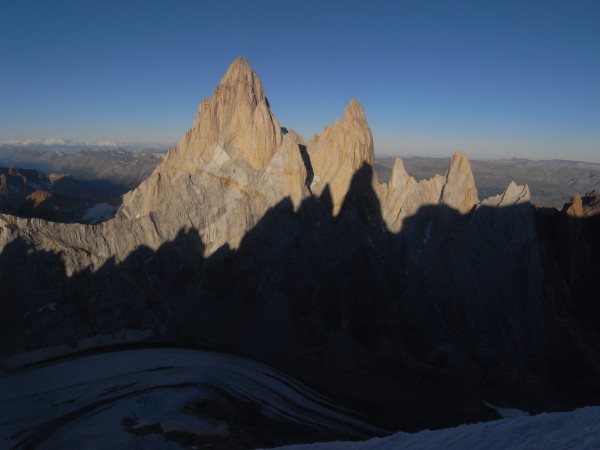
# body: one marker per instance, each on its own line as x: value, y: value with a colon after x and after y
x: 496, y: 79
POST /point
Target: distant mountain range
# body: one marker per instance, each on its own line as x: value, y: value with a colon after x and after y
x: 122, y: 168
x: 71, y: 144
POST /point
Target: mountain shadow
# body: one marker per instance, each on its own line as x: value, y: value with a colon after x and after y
x: 42, y: 306
x: 416, y: 329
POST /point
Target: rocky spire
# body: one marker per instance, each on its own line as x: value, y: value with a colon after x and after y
x: 339, y: 151
x: 399, y: 178
x: 236, y: 119
x: 459, y: 191
x: 575, y: 208
x: 405, y: 196
x: 240, y: 70
x: 512, y: 195
x: 235, y: 124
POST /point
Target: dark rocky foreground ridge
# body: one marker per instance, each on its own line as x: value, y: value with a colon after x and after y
x: 413, y: 303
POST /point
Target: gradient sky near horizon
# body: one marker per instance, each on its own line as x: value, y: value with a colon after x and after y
x: 495, y: 79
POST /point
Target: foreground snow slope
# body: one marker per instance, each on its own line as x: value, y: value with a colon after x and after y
x: 578, y: 429
x: 162, y: 398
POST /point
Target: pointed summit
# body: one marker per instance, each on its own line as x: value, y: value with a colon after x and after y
x: 354, y: 112
x: 459, y: 191
x: 356, y: 128
x: 398, y: 177
x: 339, y: 151
x: 512, y: 195
x: 236, y: 120
x: 234, y: 126
x: 575, y: 209
x: 238, y: 68
x: 240, y: 71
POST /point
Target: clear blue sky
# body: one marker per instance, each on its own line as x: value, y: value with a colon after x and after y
x: 493, y: 78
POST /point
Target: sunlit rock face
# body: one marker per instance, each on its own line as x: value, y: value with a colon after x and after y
x: 231, y: 166
x: 249, y: 238
x: 459, y: 191
x: 405, y: 196
x: 339, y: 151
x: 235, y: 163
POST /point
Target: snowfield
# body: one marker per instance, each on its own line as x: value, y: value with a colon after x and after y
x: 579, y: 429
x: 184, y: 398
x: 99, y: 213
x: 161, y: 398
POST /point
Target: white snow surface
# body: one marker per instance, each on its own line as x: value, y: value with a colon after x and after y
x: 101, y: 400
x: 99, y: 213
x: 579, y: 429
x: 84, y: 403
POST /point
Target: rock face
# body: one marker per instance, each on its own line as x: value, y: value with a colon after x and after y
x: 236, y: 154
x: 338, y: 153
x: 405, y: 196
x: 459, y: 191
x: 413, y: 300
x: 21, y: 182
x: 29, y: 193
x: 63, y: 184
x: 233, y: 134
x: 234, y: 124
x: 513, y: 195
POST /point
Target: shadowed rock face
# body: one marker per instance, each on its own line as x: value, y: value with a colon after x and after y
x: 29, y: 193
x: 412, y: 302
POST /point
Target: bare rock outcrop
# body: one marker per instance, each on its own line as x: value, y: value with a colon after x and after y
x: 286, y: 174
x: 513, y: 195
x: 235, y: 124
x: 459, y: 191
x: 237, y: 119
x: 235, y: 163
x: 339, y: 151
x: 575, y: 208
x: 405, y: 196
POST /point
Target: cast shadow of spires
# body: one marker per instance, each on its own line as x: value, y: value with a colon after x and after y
x: 413, y: 330
x: 310, y: 173
x: 43, y: 306
x: 326, y: 295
